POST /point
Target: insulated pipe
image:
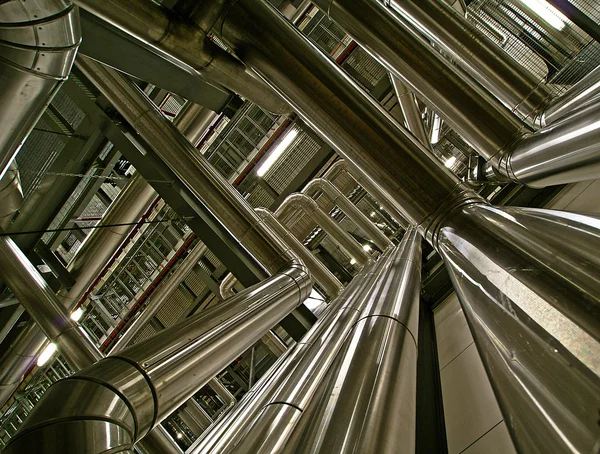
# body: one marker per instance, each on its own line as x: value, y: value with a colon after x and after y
x: 351, y: 210
x: 39, y: 40
x: 11, y: 194
x: 15, y: 313
x: 193, y: 121
x: 375, y: 190
x: 516, y: 87
x: 226, y: 286
x: 359, y: 130
x: 319, y: 272
x: 482, y: 120
x: 185, y: 45
x: 296, y: 372
x: 410, y: 110
x: 310, y: 208
x: 159, y: 297
x: 367, y: 400
x: 128, y: 394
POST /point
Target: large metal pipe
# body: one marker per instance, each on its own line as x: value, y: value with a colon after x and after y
x: 298, y: 371
x: 356, y: 127
x: 349, y: 209
x: 11, y: 194
x: 410, y: 110
x: 14, y: 314
x: 368, y: 397
x: 39, y: 42
x: 193, y: 121
x: 186, y: 45
x: 301, y: 202
x: 159, y: 297
x: 516, y: 87
x: 120, y: 398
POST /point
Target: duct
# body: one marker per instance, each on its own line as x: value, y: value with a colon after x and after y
x: 585, y: 91
x: 185, y: 45
x: 549, y: 399
x: 375, y: 190
x: 42, y: 305
x: 351, y: 210
x: 126, y: 395
x: 368, y: 400
x: 300, y: 202
x: 11, y: 194
x: 517, y: 88
x: 38, y: 42
x: 193, y: 121
x: 410, y: 110
x: 308, y: 359
x: 567, y: 151
x: 159, y: 297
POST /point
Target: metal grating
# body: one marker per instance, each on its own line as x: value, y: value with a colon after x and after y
x: 260, y: 198
x: 194, y: 283
x: 366, y: 66
x: 68, y: 110
x: 325, y: 33
x: 173, y: 309
x: 147, y: 331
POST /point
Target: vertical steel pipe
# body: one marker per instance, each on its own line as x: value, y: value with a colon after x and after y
x: 38, y: 46
x: 310, y: 208
x: 410, y: 110
x: 368, y: 401
x: 120, y: 398
x: 350, y: 210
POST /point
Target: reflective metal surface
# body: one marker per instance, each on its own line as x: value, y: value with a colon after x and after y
x: 349, y: 209
x: 184, y: 44
x: 11, y: 194
x: 193, y: 121
x: 158, y: 441
x: 367, y: 400
x: 528, y: 283
x: 516, y: 87
x: 38, y: 42
x: 410, y: 110
x: 331, y: 103
x: 37, y: 298
x: 473, y: 112
x: 310, y: 208
x: 156, y: 376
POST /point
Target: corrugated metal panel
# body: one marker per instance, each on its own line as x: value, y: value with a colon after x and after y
x: 366, y: 66
x: 194, y: 283
x: 68, y: 109
x: 259, y: 198
x: 147, y: 331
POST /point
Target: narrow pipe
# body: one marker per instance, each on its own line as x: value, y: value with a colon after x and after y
x: 410, y: 110
x: 309, y: 358
x: 184, y: 44
x: 226, y: 286
x: 351, y: 210
x: 38, y: 47
x: 516, y: 87
x: 367, y: 401
x: 193, y: 121
x: 310, y: 208
x: 134, y: 391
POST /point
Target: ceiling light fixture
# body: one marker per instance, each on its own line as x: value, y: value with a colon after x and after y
x: 281, y: 147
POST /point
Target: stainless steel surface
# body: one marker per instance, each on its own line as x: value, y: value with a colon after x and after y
x: 585, y: 91
x: 368, y: 401
x: 517, y: 88
x: 145, y: 383
x: 158, y: 441
x: 194, y: 171
x: 41, y: 303
x: 310, y: 208
x: 184, y: 44
x: 159, y: 296
x: 349, y: 209
x: 223, y: 393
x: 410, y: 110
x: 355, y: 125
x: 193, y: 121
x: 528, y: 283
x: 226, y: 286
x: 484, y: 123
x: 295, y: 375
x: 567, y: 151
x: 319, y: 272
x: 38, y: 42
x: 14, y: 313
x: 11, y: 194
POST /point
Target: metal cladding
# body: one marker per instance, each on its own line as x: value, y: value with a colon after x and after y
x: 121, y: 398
x: 309, y: 207
x: 349, y: 209
x: 410, y: 110
x: 193, y: 121
x: 532, y: 302
x: 11, y: 194
x: 38, y: 43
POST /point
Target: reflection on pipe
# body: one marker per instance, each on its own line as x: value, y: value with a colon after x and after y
x: 410, y: 110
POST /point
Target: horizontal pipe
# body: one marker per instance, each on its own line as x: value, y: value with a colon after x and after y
x: 310, y: 208
x: 39, y: 42
x: 137, y: 389
x: 349, y: 209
